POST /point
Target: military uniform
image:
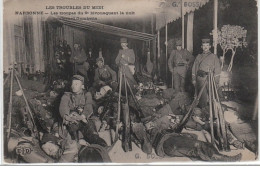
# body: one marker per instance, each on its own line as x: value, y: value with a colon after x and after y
x: 67, y: 54
x: 107, y: 75
x: 125, y: 58
x: 200, y: 69
x: 71, y: 102
x: 179, y: 63
x: 81, y: 103
x: 78, y: 59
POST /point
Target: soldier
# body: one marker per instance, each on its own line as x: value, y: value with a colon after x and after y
x: 203, y: 63
x: 76, y: 109
x: 60, y: 59
x: 79, y: 61
x: 67, y: 54
x: 125, y: 61
x: 179, y: 62
x: 104, y: 75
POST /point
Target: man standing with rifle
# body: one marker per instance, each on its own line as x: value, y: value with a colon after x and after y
x: 203, y: 63
x: 125, y: 60
x: 179, y: 63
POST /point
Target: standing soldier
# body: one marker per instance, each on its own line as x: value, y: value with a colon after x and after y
x: 60, y: 59
x: 67, y: 54
x: 104, y: 75
x: 203, y: 63
x: 92, y: 66
x: 179, y: 62
x: 79, y: 61
x: 125, y: 61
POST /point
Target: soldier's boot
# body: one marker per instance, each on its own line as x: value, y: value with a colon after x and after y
x: 224, y: 158
x: 140, y: 133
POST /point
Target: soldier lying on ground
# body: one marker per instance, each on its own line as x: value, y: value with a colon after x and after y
x: 173, y: 144
x: 199, y: 121
x: 61, y: 147
x: 169, y: 144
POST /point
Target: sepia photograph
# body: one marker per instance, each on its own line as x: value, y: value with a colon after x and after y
x: 130, y: 82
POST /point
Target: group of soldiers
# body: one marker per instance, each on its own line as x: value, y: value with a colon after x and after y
x: 76, y: 107
x: 181, y: 63
x: 96, y: 74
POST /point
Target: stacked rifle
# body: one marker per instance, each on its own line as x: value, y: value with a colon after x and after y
x: 216, y: 116
x: 126, y: 141
x: 30, y: 123
x: 217, y: 121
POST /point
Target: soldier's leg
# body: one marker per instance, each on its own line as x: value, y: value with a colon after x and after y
x: 73, y: 131
x: 176, y: 81
x: 140, y: 133
x: 204, y: 97
x: 70, y: 151
x: 182, y: 84
x: 90, y: 133
x: 182, y: 146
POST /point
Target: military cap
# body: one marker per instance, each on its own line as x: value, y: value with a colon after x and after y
x: 123, y: 40
x: 78, y: 77
x: 99, y: 59
x: 205, y: 40
x: 178, y: 42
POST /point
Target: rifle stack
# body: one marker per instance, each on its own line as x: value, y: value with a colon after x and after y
x: 216, y: 114
x: 217, y: 121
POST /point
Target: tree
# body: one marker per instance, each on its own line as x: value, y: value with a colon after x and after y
x: 231, y: 37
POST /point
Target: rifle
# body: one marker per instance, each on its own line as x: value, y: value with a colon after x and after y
x: 139, y: 110
x: 119, y: 107
x: 189, y: 113
x: 9, y: 115
x: 127, y: 144
x: 211, y: 93
x: 29, y: 119
x: 223, y: 127
x: 215, y: 108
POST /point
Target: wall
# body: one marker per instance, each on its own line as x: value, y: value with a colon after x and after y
x: 23, y: 43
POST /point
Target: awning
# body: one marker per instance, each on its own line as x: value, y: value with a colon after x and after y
x: 170, y: 10
x: 98, y: 27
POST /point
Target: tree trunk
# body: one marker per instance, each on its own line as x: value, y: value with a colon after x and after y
x: 231, y: 61
x: 222, y: 62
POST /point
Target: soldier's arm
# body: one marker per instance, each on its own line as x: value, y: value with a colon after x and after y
x: 194, y: 69
x: 190, y: 57
x: 96, y: 77
x: 83, y: 57
x: 64, y: 107
x: 170, y: 61
x: 131, y: 56
x: 113, y: 73
x: 119, y: 56
x: 72, y: 58
x: 88, y: 108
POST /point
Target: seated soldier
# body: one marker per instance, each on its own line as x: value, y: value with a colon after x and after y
x: 76, y: 109
x: 104, y: 75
